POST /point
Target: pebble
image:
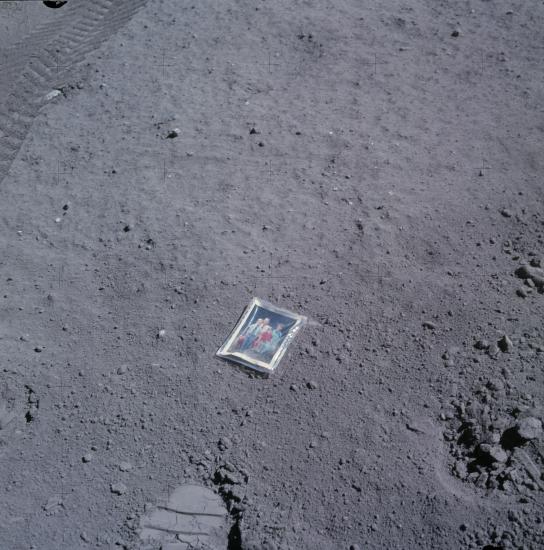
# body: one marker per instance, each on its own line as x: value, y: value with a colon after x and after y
x: 173, y: 133
x: 125, y: 466
x: 224, y: 443
x: 87, y: 458
x: 429, y: 325
x: 354, y: 547
x: 497, y: 454
x: 482, y: 344
x: 161, y: 333
x: 122, y: 369
x: 51, y: 95
x: 534, y: 273
x: 522, y: 293
x: 493, y: 350
x: 118, y: 488
x: 293, y: 387
x: 84, y: 537
x: 505, y: 344
x: 506, y: 213
x: 529, y: 428
x: 312, y: 385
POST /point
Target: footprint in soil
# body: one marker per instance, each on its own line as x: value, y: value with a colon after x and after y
x: 192, y: 517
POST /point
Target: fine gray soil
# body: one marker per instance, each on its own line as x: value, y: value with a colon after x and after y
x: 377, y: 167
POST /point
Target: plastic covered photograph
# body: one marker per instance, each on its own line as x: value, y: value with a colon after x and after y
x: 261, y: 336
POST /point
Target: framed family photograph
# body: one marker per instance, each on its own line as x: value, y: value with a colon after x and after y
x: 261, y: 336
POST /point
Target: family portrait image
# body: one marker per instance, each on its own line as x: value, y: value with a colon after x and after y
x: 261, y: 336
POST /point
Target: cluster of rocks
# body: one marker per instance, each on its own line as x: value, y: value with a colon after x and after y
x: 492, y: 448
x: 231, y: 482
x: 519, y: 529
x: 532, y: 275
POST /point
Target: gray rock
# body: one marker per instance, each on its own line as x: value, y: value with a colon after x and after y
x: 87, y: 458
x: 495, y: 384
x: 460, y: 469
x: 118, y: 488
x: 125, y: 466
x: 493, y: 351
x: 505, y: 344
x: 174, y: 133
x: 482, y: 344
x: 224, y: 443
x: 312, y: 385
x: 498, y: 454
x: 529, y: 428
x: 536, y: 274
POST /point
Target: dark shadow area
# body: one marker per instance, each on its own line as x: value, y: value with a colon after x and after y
x: 235, y: 538
x: 511, y: 438
x: 55, y: 4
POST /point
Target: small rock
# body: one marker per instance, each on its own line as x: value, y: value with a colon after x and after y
x: 505, y: 344
x: 293, y: 387
x: 122, y: 369
x: 493, y: 351
x: 225, y: 443
x: 118, y: 488
x: 497, y: 454
x: 495, y: 384
x: 161, y: 333
x: 522, y: 293
x: 51, y: 95
x: 534, y: 273
x: 429, y: 325
x: 312, y: 385
x: 482, y: 344
x: 506, y: 213
x: 173, y: 133
x: 38, y: 349
x: 455, y: 33
x: 460, y: 469
x: 125, y: 466
x: 87, y: 458
x: 84, y: 537
x: 354, y: 547
x: 529, y: 428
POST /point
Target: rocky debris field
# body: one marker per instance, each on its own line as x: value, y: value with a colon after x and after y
x: 376, y: 168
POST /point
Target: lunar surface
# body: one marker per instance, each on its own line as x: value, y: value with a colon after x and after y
x: 375, y: 167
